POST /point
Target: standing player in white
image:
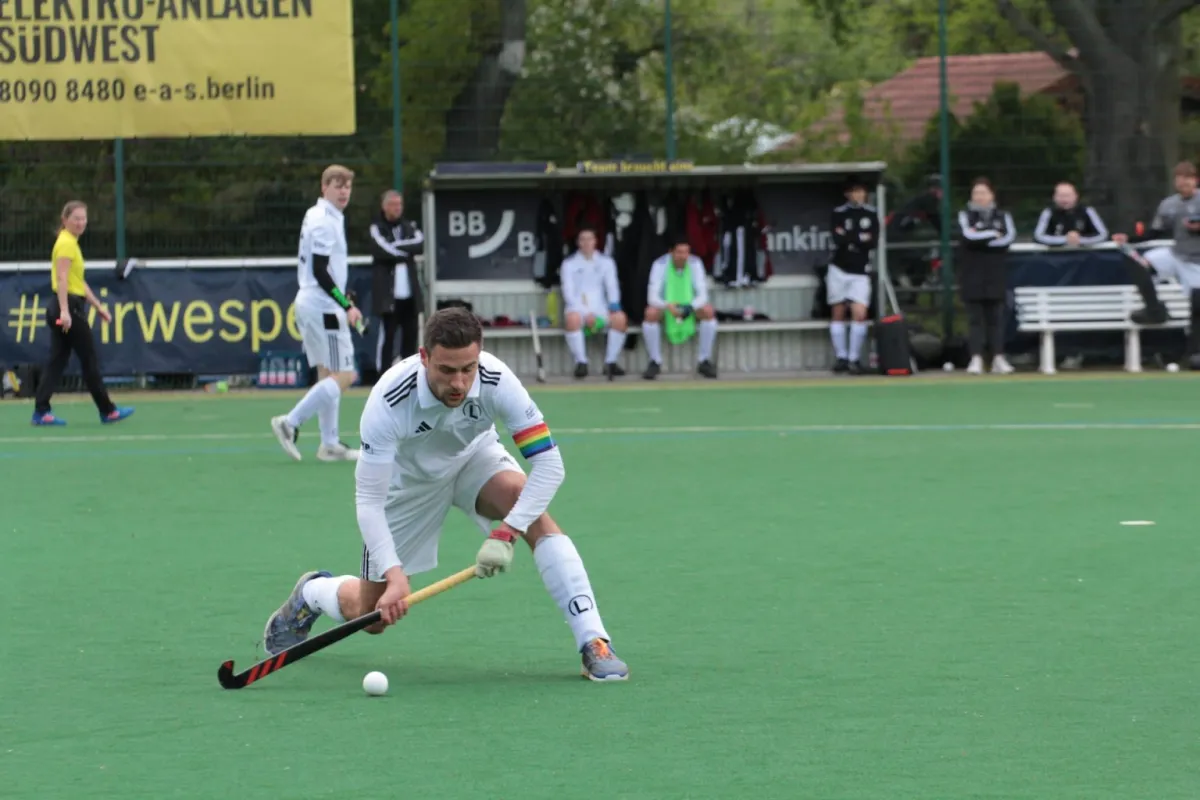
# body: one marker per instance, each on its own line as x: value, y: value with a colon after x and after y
x: 324, y: 315
x: 429, y: 442
x: 592, y: 295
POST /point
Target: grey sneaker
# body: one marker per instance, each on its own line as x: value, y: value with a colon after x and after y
x: 287, y: 436
x: 600, y: 663
x: 290, y: 624
x: 336, y: 452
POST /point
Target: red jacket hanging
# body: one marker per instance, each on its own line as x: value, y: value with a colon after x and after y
x: 583, y: 210
x: 703, y: 229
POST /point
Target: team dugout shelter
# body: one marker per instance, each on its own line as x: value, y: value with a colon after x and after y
x: 496, y: 235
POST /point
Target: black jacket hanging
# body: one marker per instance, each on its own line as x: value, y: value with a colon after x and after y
x: 740, y: 234
x: 548, y: 252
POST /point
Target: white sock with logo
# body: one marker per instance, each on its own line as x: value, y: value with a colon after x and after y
x: 652, y: 333
x: 321, y: 594
x: 327, y: 417
x: 312, y: 402
x: 707, y: 338
x: 616, y: 343
x: 567, y: 582
x: 576, y: 346
x: 858, y: 335
x: 837, y: 334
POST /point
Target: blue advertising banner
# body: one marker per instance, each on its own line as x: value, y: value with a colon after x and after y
x: 200, y: 321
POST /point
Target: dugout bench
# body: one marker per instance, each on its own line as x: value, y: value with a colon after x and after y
x: 489, y: 268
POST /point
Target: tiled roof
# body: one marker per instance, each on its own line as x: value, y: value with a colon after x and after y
x: 911, y: 98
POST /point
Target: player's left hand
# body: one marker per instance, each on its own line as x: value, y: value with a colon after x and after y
x: 496, y: 554
x: 104, y: 313
x: 353, y: 315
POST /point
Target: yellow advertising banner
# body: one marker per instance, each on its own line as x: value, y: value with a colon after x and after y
x: 105, y: 69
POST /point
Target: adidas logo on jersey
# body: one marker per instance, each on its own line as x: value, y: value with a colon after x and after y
x: 424, y: 428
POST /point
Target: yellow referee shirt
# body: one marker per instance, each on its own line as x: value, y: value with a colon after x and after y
x: 67, y: 246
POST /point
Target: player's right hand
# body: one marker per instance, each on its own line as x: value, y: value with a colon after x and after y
x: 394, y: 603
x: 1120, y: 238
x: 64, y: 322
x: 353, y: 316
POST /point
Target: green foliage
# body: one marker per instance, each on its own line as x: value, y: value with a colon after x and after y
x: 974, y: 26
x: 593, y: 86
x: 1022, y: 144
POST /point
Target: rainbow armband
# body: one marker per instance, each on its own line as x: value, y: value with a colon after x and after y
x: 534, y: 440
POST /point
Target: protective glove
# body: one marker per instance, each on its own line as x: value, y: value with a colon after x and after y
x: 495, y: 555
x: 685, y: 312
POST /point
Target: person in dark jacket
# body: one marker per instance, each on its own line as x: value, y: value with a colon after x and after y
x: 1067, y: 223
x: 986, y: 231
x: 396, y: 296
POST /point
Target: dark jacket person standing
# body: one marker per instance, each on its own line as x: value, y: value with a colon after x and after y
x: 396, y: 296
x: 66, y: 318
x: 981, y: 260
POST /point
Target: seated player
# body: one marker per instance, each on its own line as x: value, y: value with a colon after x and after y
x: 429, y: 442
x: 592, y: 298
x: 677, y: 299
x: 855, y: 229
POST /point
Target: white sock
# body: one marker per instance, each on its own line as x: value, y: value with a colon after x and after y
x: 616, y: 343
x: 858, y: 335
x: 327, y: 417
x: 837, y: 334
x: 312, y: 402
x: 708, y: 337
x: 322, y: 595
x: 567, y: 582
x: 652, y: 333
x: 576, y: 346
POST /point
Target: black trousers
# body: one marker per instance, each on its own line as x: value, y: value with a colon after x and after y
x: 401, y: 319
x: 78, y: 340
x: 985, y: 327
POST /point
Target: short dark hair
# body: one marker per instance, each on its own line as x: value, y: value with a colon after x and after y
x: 453, y: 328
x: 680, y: 240
x: 1185, y: 169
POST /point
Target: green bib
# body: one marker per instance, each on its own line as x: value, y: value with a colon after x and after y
x: 679, y: 291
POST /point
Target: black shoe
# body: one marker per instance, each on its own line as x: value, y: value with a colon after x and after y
x: 613, y: 371
x: 1151, y: 315
x: 707, y: 369
x: 581, y: 370
x: 856, y: 368
x: 652, y: 370
x: 841, y: 365
x: 1194, y: 362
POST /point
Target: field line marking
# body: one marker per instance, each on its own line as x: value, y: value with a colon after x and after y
x: 648, y: 430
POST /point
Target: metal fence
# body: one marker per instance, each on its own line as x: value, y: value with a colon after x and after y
x: 716, y: 82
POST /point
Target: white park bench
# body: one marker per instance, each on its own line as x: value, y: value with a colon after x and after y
x: 1048, y: 310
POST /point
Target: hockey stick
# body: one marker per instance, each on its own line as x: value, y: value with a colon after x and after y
x: 322, y: 640
x: 537, y: 348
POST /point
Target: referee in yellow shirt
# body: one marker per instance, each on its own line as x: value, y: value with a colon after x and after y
x: 69, y: 331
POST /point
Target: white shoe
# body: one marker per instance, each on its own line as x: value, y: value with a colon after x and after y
x: 287, y: 436
x: 976, y: 366
x: 336, y: 452
x: 1000, y: 366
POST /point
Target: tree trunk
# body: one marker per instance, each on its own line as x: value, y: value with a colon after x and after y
x: 473, y: 122
x: 1128, y: 62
